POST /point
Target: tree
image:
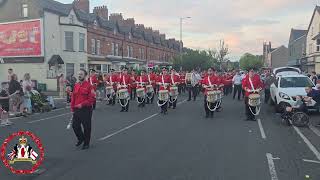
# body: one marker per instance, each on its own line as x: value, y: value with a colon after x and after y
x: 248, y: 61
x: 221, y: 53
x: 193, y: 59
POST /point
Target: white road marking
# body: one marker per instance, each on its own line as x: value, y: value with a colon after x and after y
x: 308, y: 143
x: 311, y: 161
x: 315, y: 130
x: 128, y: 127
x: 35, y: 121
x: 272, y: 168
x: 132, y: 125
x: 263, y: 135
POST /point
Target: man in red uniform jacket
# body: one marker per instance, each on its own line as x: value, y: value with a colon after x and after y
x: 251, y: 82
x: 152, y: 78
x: 82, y: 100
x: 182, y: 85
x: 207, y: 82
x: 174, y: 81
x: 141, y: 81
x: 124, y: 82
x: 163, y: 81
x: 112, y: 81
x: 93, y: 79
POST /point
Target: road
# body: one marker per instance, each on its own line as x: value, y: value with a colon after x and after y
x: 183, y: 145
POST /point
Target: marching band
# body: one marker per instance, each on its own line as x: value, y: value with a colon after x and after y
x: 144, y: 87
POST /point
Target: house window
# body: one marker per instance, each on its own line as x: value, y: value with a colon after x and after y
x: 93, y: 46
x: 143, y: 57
x: 114, y: 31
x: 318, y: 45
x: 83, y: 66
x: 24, y: 10
x: 98, y: 47
x: 68, y: 41
x: 71, y: 19
x: 131, y: 51
x: 81, y: 41
x: 117, y: 50
x: 69, y: 69
x: 113, y: 49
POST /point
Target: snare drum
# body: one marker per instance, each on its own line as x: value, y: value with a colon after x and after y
x: 109, y: 90
x: 173, y: 91
x: 149, y: 89
x: 123, y: 94
x: 212, y: 96
x: 141, y: 92
x: 163, y: 95
x: 254, y: 100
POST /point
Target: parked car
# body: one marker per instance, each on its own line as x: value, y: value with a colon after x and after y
x: 288, y: 84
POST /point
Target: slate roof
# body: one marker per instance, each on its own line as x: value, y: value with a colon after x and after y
x: 55, y: 7
x: 297, y: 33
x: 137, y: 33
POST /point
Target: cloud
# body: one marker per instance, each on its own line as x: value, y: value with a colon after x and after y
x: 244, y: 24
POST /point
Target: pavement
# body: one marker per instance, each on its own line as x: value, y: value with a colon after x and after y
x: 143, y: 144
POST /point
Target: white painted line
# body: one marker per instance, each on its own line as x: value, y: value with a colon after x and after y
x: 126, y: 128
x: 263, y: 135
x: 272, y: 168
x: 182, y: 101
x: 35, y: 121
x: 311, y: 161
x: 308, y: 143
x: 315, y: 130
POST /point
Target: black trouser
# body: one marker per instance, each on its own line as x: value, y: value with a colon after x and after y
x: 243, y: 92
x: 125, y: 108
x: 164, y: 108
x: 194, y: 91
x: 249, y: 115
x: 143, y: 101
x: 150, y: 100
x: 227, y: 89
x: 237, y: 89
x: 112, y: 100
x: 95, y: 104
x: 266, y: 95
x: 212, y: 105
x: 82, y: 117
x: 174, y: 104
x: 133, y: 93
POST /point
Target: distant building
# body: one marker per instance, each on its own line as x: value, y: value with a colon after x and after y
x: 274, y: 57
x: 312, y: 61
x: 297, y: 47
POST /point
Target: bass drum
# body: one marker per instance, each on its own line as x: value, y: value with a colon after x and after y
x: 163, y: 95
x: 141, y: 93
x: 123, y: 94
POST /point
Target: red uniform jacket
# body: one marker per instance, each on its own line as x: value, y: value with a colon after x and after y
x: 94, y: 81
x: 133, y: 84
x: 112, y: 80
x: 141, y: 79
x: 182, y: 78
x: 83, y: 94
x: 152, y: 78
x: 256, y: 82
x: 210, y: 80
x: 125, y: 80
x: 163, y: 79
x: 174, y: 79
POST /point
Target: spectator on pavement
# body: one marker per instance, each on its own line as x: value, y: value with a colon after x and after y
x: 16, y: 93
x: 4, y: 105
x: 27, y: 86
x: 62, y: 86
x: 314, y: 77
x: 10, y: 73
x: 267, y: 83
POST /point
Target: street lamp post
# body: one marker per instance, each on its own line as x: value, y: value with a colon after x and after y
x: 181, y: 20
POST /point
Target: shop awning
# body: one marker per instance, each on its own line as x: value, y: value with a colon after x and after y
x: 55, y: 59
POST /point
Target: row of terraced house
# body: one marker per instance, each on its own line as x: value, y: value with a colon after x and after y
x: 47, y: 38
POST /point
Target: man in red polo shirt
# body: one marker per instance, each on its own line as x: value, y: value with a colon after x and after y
x: 82, y: 100
x: 251, y: 82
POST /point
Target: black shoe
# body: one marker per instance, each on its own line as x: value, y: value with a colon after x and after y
x: 122, y: 110
x: 79, y: 143
x: 85, y: 147
x: 126, y: 110
x: 253, y: 119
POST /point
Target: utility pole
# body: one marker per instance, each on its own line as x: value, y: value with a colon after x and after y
x: 181, y: 44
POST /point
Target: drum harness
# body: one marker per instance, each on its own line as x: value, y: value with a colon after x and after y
x: 112, y: 92
x: 258, y: 108
x: 127, y: 99
x: 164, y: 85
x: 142, y: 86
x: 175, y: 97
x: 149, y: 95
x: 218, y: 103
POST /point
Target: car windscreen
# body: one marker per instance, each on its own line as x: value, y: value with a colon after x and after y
x: 290, y: 82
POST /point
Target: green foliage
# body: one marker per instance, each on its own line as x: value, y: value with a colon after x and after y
x: 194, y: 59
x: 248, y: 61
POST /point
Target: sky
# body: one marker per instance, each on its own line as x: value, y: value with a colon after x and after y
x: 243, y: 24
